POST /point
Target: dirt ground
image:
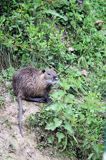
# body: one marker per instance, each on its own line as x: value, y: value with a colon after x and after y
x: 12, y: 145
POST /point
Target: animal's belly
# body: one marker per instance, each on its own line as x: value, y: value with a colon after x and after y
x: 34, y: 92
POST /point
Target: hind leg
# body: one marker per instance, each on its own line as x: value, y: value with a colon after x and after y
x: 39, y: 99
x: 48, y: 100
x: 36, y: 99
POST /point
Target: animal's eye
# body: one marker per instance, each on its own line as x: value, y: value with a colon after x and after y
x: 49, y: 74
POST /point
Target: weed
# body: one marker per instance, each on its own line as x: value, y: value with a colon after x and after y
x: 74, y: 122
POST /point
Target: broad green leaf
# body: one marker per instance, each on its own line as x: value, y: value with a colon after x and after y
x: 54, y: 13
x: 50, y: 139
x: 65, y: 84
x: 68, y: 127
x: 53, y: 125
x: 69, y: 99
x: 58, y: 95
x: 50, y: 126
x: 55, y: 107
x: 60, y: 136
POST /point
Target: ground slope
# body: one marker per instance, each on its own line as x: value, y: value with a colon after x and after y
x: 12, y: 145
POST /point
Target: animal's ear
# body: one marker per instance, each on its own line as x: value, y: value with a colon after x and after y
x: 43, y: 71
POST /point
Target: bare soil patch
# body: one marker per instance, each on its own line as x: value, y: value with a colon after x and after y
x: 12, y: 145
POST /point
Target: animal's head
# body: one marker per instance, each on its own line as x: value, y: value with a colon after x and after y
x: 50, y: 76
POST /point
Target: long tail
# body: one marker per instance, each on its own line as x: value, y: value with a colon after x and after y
x: 20, y: 113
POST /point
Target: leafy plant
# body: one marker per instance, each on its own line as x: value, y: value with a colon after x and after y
x: 74, y: 122
x: 7, y: 74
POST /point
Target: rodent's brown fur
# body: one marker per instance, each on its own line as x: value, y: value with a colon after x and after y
x: 31, y: 82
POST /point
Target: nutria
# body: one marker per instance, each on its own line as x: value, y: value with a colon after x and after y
x: 33, y: 85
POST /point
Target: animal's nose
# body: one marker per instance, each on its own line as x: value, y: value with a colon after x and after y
x: 55, y: 78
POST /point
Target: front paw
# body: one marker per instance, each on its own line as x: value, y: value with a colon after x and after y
x: 48, y: 100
